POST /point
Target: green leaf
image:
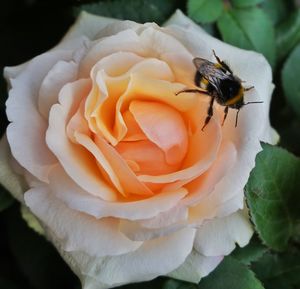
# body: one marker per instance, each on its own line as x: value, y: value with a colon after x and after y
x: 288, y: 35
x: 249, y: 29
x: 136, y: 10
x: 231, y: 274
x: 251, y: 253
x: 277, y: 10
x: 290, y: 79
x: 273, y: 197
x: 6, y: 200
x: 245, y: 3
x: 205, y: 11
x: 279, y: 271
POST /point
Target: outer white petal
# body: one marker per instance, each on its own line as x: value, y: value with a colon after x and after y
x: 87, y: 25
x: 195, y: 267
x: 12, y: 181
x: 27, y: 142
x: 143, y: 264
x: 77, y: 231
x: 218, y: 236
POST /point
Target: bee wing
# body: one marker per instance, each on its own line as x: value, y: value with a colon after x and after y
x: 200, y: 62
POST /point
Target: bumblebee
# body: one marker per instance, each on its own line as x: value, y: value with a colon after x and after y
x: 218, y: 81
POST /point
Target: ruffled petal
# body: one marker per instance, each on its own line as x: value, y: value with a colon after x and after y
x: 26, y: 132
x: 163, y: 126
x: 195, y: 267
x: 75, y: 159
x: 77, y: 231
x: 218, y: 236
x: 76, y: 198
x: 141, y: 265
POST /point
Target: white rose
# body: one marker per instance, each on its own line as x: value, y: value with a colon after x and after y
x: 116, y: 167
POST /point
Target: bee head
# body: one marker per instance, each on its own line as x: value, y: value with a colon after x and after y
x: 232, y: 92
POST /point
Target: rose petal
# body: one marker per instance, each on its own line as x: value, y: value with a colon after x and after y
x: 142, y: 264
x: 101, y: 103
x: 75, y: 159
x: 78, y: 231
x: 218, y: 236
x: 62, y: 72
x: 126, y: 41
x: 116, y: 167
x: 26, y: 141
x: 202, y: 151
x: 143, y: 153
x: 76, y: 198
x: 163, y: 126
x: 195, y: 267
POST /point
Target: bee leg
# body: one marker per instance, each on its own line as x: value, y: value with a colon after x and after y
x: 192, y: 91
x: 225, y: 114
x: 222, y: 63
x: 210, y: 113
x: 248, y: 88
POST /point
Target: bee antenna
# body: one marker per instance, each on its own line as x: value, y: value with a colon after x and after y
x: 250, y: 102
x: 236, y: 117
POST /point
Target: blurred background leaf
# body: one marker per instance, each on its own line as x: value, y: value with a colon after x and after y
x: 249, y: 29
x: 245, y: 3
x: 204, y: 11
x: 288, y: 34
x: 290, y: 79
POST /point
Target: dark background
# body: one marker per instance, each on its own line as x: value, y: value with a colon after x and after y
x: 27, y: 261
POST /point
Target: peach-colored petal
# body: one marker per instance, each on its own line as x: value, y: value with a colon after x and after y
x: 91, y: 147
x: 202, y: 151
x: 78, y: 199
x: 134, y: 132
x: 149, y: 158
x: 163, y: 126
x: 77, y: 162
x: 128, y: 180
x: 101, y: 103
x: 116, y: 64
x: 149, y: 89
x: 78, y: 123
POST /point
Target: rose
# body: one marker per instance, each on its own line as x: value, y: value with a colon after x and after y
x: 116, y: 167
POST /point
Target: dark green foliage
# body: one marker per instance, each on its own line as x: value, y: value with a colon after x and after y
x: 273, y: 196
x: 205, y: 11
x: 135, y: 10
x: 249, y: 29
